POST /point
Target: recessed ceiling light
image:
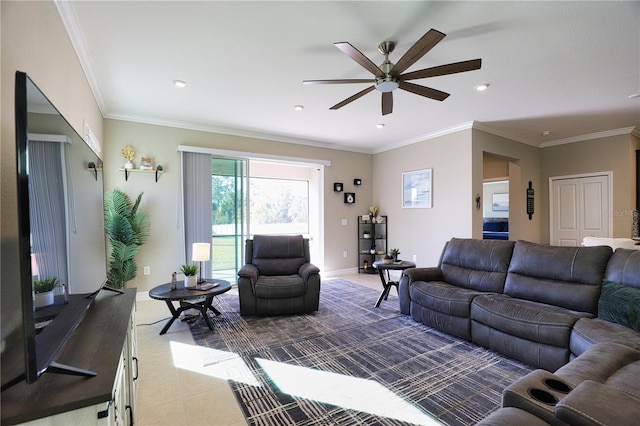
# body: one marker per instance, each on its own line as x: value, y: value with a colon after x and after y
x: 380, y: 125
x: 179, y: 83
x: 634, y: 96
x: 482, y: 87
x: 546, y: 133
x: 298, y: 107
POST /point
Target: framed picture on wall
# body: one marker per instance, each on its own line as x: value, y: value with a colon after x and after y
x: 500, y: 203
x: 417, y: 189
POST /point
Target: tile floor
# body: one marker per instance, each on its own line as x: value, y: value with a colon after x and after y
x: 172, y: 395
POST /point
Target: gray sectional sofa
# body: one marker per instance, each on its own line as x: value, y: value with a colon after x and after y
x: 568, y: 310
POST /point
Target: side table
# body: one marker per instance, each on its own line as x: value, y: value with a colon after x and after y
x: 189, y: 298
x: 386, y: 282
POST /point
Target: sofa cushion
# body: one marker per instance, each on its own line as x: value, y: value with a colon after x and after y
x: 278, y: 254
x: 529, y: 320
x: 593, y: 403
x: 602, y: 363
x: 624, y: 268
x: 569, y: 277
x: 443, y: 297
x: 620, y: 304
x: 279, y: 287
x: 476, y: 264
x: 588, y: 332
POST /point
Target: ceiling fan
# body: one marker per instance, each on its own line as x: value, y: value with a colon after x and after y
x: 388, y: 76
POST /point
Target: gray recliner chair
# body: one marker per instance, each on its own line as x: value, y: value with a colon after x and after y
x: 278, y: 277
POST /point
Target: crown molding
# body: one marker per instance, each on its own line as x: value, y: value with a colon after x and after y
x: 70, y: 21
x: 499, y: 132
x: 446, y: 131
x: 591, y: 136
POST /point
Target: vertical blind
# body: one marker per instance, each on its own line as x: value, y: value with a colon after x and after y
x: 196, y: 178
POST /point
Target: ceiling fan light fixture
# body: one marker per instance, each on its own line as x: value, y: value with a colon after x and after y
x: 387, y: 83
x: 482, y: 87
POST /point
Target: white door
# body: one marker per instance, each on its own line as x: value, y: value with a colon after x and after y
x: 578, y: 208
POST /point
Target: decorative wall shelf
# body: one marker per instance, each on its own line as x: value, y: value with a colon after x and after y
x: 127, y: 172
x: 95, y: 171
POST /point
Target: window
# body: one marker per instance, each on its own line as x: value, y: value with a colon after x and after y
x: 279, y: 206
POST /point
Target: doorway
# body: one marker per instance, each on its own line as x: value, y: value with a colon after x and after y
x: 578, y: 207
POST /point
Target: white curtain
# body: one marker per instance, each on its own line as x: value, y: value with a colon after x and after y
x: 196, y: 178
x: 47, y: 210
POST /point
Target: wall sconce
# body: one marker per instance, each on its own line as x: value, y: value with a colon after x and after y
x: 201, y: 252
x: 357, y: 182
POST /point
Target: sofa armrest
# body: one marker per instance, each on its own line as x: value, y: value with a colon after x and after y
x: 249, y: 271
x: 423, y: 274
x: 408, y: 277
x: 308, y: 269
x: 592, y: 403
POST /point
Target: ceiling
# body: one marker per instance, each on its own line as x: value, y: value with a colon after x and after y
x: 567, y: 68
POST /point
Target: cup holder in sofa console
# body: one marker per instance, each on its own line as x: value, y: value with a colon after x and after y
x: 543, y: 396
x: 557, y: 385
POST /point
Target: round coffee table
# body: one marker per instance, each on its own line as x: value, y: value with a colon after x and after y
x: 189, y: 298
x: 386, y: 282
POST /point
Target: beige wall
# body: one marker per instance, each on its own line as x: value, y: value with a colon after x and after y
x: 494, y: 168
x: 163, y: 252
x: 423, y: 232
x: 34, y: 40
x: 613, y: 153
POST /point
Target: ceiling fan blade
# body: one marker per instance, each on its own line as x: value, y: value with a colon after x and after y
x: 453, y: 68
x: 427, y: 92
x: 353, y: 98
x: 418, y: 50
x: 357, y: 56
x: 387, y: 103
x: 348, y: 81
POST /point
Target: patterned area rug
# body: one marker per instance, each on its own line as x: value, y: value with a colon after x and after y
x: 351, y: 363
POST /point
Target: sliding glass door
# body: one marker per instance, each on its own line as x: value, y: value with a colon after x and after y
x: 260, y: 197
x: 229, y: 213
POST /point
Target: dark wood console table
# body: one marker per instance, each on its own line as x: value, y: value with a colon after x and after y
x: 96, y: 345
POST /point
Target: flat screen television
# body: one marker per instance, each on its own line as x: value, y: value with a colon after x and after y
x: 60, y: 234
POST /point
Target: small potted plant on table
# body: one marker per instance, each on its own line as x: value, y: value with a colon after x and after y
x: 395, y: 252
x: 43, y: 289
x: 190, y: 270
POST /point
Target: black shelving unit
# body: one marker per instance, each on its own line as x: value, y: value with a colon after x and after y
x: 372, y: 235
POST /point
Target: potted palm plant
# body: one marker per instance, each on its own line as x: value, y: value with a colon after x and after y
x: 43, y: 289
x: 190, y: 270
x: 127, y: 229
